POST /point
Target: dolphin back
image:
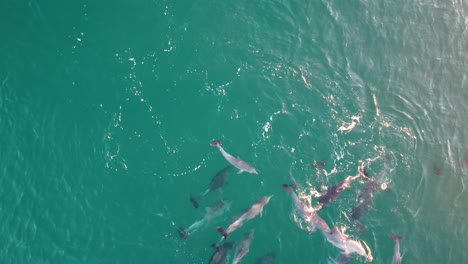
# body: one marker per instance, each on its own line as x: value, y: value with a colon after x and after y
x: 220, y: 254
x: 243, y: 247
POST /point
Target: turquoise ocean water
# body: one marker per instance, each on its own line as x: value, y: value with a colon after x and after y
x: 107, y: 109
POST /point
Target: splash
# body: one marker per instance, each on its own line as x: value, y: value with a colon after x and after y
x: 347, y: 127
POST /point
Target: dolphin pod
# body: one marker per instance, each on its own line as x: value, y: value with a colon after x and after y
x: 334, y: 236
x: 310, y: 215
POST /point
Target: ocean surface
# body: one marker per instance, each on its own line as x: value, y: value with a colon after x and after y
x: 108, y: 108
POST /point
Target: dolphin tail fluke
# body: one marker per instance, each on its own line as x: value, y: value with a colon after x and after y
x: 194, y: 201
x: 222, y: 231
x: 182, y: 233
x: 396, y: 238
x: 215, y: 143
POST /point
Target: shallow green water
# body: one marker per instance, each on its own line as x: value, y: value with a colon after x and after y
x: 107, y: 110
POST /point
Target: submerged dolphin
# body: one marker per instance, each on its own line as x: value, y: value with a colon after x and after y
x: 216, y: 182
x: 342, y: 259
x: 307, y: 213
x: 333, y: 192
x: 396, y: 251
x: 249, y: 213
x: 243, y: 247
x: 345, y: 243
x: 365, y: 199
x: 267, y: 259
x: 237, y: 162
x: 212, y: 212
x: 220, y: 254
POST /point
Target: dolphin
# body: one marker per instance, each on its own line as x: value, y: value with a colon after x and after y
x: 220, y: 254
x: 249, y: 213
x: 216, y: 182
x: 345, y: 243
x: 243, y: 247
x: 307, y: 212
x: 396, y: 251
x: 267, y: 259
x: 365, y: 199
x: 333, y: 192
x: 237, y: 162
x: 212, y: 212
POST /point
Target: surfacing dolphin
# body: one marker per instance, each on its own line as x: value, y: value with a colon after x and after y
x: 307, y: 213
x: 396, y: 251
x: 365, y: 198
x: 243, y: 247
x: 220, y: 254
x: 346, y: 244
x: 249, y: 213
x: 212, y: 212
x: 333, y: 192
x: 216, y: 182
x: 237, y: 162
